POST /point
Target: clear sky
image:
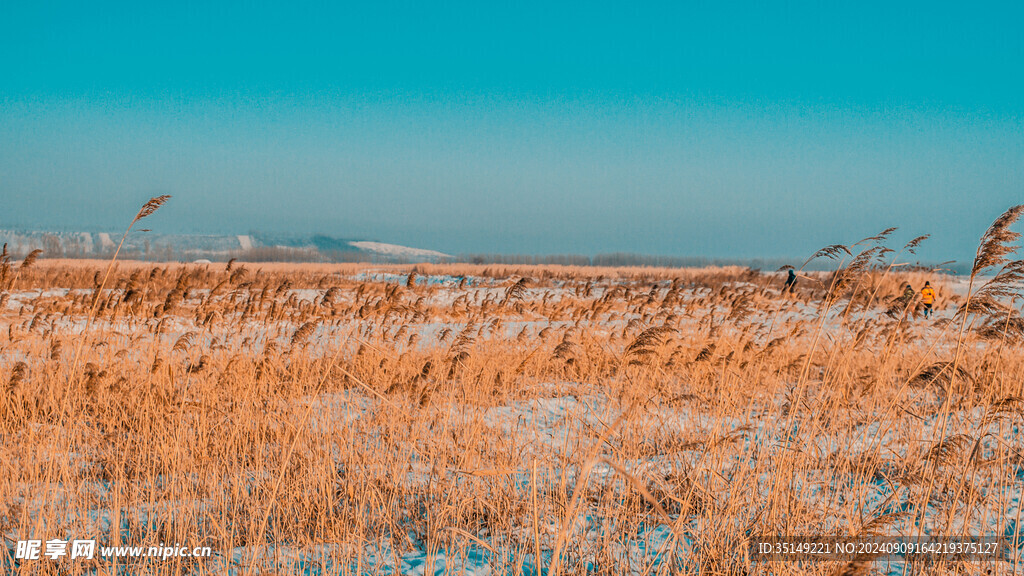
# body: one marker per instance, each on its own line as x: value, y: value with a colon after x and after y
x: 720, y: 129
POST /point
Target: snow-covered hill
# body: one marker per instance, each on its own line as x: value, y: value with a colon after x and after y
x: 190, y: 247
x: 397, y: 251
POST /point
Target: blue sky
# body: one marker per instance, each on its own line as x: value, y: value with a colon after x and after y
x: 687, y: 128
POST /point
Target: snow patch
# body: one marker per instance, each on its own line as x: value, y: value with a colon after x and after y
x: 397, y: 250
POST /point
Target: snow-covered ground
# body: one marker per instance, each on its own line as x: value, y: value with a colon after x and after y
x: 875, y: 456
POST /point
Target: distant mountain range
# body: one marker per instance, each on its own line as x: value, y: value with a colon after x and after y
x: 260, y: 247
x: 144, y: 245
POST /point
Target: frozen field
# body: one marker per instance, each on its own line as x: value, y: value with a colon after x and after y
x: 318, y: 419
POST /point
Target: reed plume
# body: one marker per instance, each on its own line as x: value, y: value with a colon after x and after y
x: 147, y: 209
x: 151, y: 206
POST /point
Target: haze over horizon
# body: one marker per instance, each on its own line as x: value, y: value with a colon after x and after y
x: 740, y: 131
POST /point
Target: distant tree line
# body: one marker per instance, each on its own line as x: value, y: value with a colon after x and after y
x: 618, y: 259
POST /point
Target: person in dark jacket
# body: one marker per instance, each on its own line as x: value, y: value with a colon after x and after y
x: 790, y: 282
x: 909, y: 295
x: 908, y: 292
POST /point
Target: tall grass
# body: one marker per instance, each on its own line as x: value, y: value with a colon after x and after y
x: 544, y: 419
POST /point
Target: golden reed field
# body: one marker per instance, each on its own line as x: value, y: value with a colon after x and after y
x: 355, y: 419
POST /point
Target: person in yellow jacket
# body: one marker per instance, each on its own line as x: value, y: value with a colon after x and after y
x: 927, y: 298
